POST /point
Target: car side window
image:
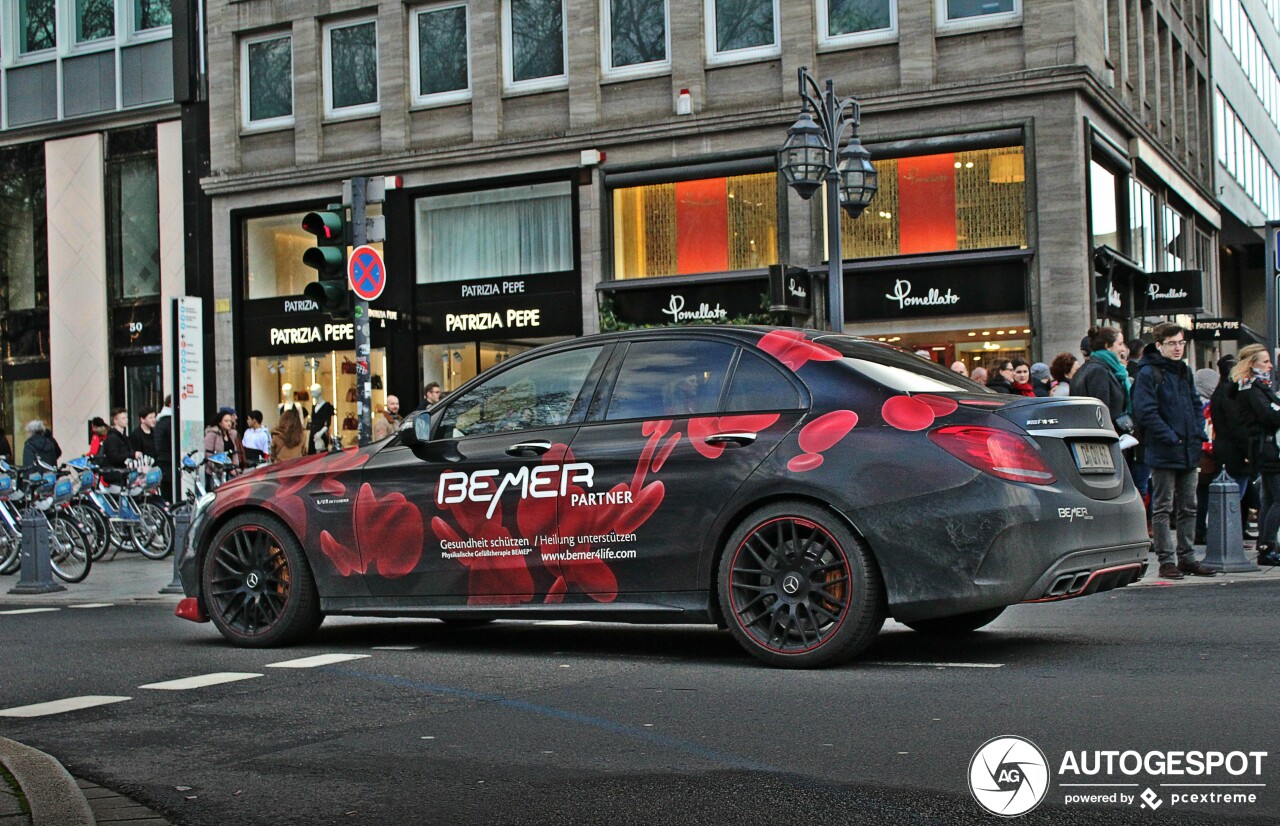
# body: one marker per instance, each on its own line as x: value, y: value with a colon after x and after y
x: 537, y: 393
x: 662, y: 379
x: 758, y: 385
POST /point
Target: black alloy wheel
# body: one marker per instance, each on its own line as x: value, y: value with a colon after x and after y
x: 256, y: 583
x: 798, y: 588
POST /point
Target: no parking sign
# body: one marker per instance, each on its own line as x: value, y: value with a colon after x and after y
x: 366, y: 272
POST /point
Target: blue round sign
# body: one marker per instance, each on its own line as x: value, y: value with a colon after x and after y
x: 366, y: 272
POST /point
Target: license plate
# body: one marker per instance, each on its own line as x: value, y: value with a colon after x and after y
x: 1093, y: 457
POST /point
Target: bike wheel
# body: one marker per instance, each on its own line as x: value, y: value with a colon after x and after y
x: 99, y: 530
x: 10, y: 554
x: 69, y: 548
x: 159, y: 530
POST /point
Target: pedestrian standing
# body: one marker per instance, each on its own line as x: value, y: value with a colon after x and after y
x: 1062, y: 369
x: 1000, y: 376
x: 430, y: 395
x: 286, y: 436
x: 1041, y: 379
x: 164, y: 447
x: 257, y: 441
x: 143, y: 439
x: 388, y: 422
x: 1103, y: 377
x: 1022, y: 379
x: 959, y: 367
x: 1259, y: 411
x: 979, y: 375
x: 1206, y: 381
x: 98, y: 430
x: 1172, y: 423
x: 116, y: 451
x: 40, y: 445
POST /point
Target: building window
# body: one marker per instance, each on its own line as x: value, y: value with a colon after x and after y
x: 266, y: 66
x: 1142, y: 225
x: 742, y: 30
x: 351, y: 68
x: 533, y: 44
x: 1175, y: 240
x: 1103, y: 214
x: 709, y: 225
x: 519, y: 230
x: 95, y: 19
x: 24, y: 264
x: 438, y: 42
x: 151, y: 14
x: 967, y: 15
x: 940, y: 203
x: 846, y: 22
x: 133, y: 215
x: 36, y: 25
x: 635, y: 37
x: 273, y: 256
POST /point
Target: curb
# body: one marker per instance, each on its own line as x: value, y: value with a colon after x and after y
x: 52, y: 794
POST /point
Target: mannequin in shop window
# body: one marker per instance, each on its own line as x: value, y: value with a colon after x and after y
x: 321, y: 429
x: 287, y: 402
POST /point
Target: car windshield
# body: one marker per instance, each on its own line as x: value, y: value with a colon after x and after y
x: 897, y: 369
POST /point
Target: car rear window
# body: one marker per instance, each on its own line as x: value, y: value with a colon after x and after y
x: 758, y: 385
x: 662, y: 379
x: 897, y: 369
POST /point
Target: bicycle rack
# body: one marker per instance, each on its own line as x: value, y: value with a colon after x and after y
x: 36, y: 576
x: 181, y: 524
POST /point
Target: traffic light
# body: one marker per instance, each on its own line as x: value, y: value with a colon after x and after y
x: 329, y: 259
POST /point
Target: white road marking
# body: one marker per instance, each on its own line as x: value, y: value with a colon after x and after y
x: 217, y: 678
x: 29, y: 611
x: 941, y: 665
x: 318, y: 660
x: 561, y: 622
x: 60, y: 706
x: 395, y: 648
x: 94, y: 605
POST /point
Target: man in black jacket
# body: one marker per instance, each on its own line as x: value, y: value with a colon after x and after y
x: 1169, y: 414
x: 163, y: 435
x: 116, y: 450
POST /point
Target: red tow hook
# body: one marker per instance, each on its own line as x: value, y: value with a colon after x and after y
x: 191, y: 609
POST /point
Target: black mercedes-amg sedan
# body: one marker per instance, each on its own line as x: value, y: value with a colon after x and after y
x: 796, y: 487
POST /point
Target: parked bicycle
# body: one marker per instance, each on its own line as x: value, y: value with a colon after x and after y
x: 126, y: 513
x: 50, y: 496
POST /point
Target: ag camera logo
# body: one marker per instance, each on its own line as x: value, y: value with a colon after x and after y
x: 1008, y: 776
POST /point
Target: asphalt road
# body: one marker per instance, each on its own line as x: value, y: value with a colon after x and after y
x: 586, y: 724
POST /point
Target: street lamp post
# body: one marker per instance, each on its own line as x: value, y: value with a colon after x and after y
x: 811, y: 157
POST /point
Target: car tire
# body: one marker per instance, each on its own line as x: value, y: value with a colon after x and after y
x: 798, y: 588
x: 257, y: 585
x: 955, y: 625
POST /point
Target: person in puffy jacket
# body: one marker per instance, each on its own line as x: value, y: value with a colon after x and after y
x: 1259, y: 413
x: 1169, y: 414
x: 1103, y: 377
x: 40, y: 445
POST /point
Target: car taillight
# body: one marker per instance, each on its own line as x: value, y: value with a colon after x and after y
x: 997, y: 452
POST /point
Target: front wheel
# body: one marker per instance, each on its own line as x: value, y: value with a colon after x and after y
x: 798, y: 588
x: 70, y: 548
x: 955, y: 625
x: 257, y: 586
x: 153, y: 536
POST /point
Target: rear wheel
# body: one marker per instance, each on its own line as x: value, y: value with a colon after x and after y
x: 10, y: 553
x: 956, y: 625
x: 257, y: 586
x: 70, y: 548
x: 96, y: 523
x: 798, y: 589
x: 153, y: 537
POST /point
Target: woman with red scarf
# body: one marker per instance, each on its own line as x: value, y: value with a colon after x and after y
x: 1022, y: 379
x: 1259, y: 417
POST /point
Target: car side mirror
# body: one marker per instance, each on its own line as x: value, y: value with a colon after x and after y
x: 418, y: 432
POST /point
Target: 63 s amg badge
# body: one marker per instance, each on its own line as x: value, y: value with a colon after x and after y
x: 1008, y: 776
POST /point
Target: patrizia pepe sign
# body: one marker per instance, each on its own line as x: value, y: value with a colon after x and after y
x: 928, y: 292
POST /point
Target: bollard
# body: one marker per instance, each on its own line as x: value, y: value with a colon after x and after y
x: 181, y: 524
x: 37, y: 572
x: 1225, y: 548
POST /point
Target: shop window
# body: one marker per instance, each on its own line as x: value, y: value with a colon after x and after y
x: 845, y: 22
x: 539, y: 393
x: 24, y: 273
x: 959, y: 15
x: 1142, y: 225
x: 758, y: 385
x: 661, y: 379
x: 270, y: 376
x: 151, y: 14
x: 636, y: 39
x: 24, y: 401
x: 533, y: 44
x: 37, y: 24
x: 1103, y: 219
x: 438, y: 42
x: 941, y: 203
x: 133, y: 226
x: 351, y: 68
x: 708, y: 225
x: 741, y: 30
x: 95, y: 20
x: 266, y: 66
x: 521, y: 230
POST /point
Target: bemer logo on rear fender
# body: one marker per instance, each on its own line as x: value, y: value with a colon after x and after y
x: 542, y: 482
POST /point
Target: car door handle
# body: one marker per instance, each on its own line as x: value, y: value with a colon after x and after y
x: 529, y: 448
x: 731, y: 439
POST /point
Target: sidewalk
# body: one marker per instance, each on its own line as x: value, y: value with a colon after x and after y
x: 1268, y: 574
x: 127, y: 578
x: 35, y: 790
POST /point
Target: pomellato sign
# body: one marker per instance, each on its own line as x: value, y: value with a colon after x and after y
x: 928, y: 292
x: 1166, y: 293
x: 715, y: 302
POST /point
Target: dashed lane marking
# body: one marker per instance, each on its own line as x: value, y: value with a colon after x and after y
x: 29, y: 611
x: 317, y: 661
x: 561, y: 622
x: 217, y: 678
x: 395, y: 648
x: 94, y: 605
x: 61, y: 706
x: 939, y: 665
